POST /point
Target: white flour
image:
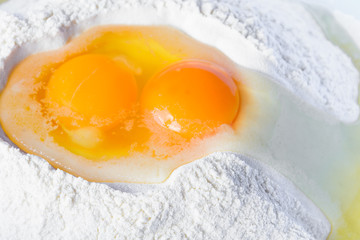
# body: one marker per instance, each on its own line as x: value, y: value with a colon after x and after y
x: 219, y: 197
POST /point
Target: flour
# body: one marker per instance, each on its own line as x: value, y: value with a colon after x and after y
x: 223, y: 196
x: 218, y: 197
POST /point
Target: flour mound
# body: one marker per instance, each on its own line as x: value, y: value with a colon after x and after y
x: 223, y: 196
x: 218, y: 197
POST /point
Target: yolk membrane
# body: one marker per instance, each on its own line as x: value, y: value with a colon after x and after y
x: 191, y: 98
x: 91, y: 91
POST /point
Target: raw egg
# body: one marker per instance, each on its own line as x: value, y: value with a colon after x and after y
x: 123, y: 104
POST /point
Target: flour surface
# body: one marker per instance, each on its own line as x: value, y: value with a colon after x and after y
x: 223, y: 196
x: 218, y: 197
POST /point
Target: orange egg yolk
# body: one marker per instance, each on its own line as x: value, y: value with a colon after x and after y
x: 91, y: 90
x: 191, y: 98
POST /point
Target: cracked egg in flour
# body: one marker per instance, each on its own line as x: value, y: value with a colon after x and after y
x: 124, y: 104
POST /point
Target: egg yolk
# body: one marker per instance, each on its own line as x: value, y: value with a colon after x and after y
x: 91, y: 91
x: 191, y: 98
